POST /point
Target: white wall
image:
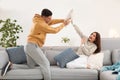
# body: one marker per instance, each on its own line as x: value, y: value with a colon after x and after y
x: 90, y: 15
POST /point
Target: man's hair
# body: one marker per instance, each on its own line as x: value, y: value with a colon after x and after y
x: 46, y: 12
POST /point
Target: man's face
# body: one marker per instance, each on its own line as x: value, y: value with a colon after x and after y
x: 47, y: 19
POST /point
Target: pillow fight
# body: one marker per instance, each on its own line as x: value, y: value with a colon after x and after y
x: 89, y: 53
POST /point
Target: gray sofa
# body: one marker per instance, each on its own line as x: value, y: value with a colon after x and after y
x: 110, y: 47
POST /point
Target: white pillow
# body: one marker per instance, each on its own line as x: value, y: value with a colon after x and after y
x: 96, y: 60
x: 78, y: 63
x: 70, y: 14
x: 3, y: 58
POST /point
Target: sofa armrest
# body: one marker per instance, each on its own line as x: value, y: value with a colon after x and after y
x: 3, y: 57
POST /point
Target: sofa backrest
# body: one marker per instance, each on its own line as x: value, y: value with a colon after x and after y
x: 110, y: 43
x: 107, y: 44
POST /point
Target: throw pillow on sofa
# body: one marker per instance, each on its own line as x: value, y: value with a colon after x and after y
x: 107, y: 57
x: 115, y: 56
x: 96, y: 61
x: 17, y: 55
x: 65, y: 57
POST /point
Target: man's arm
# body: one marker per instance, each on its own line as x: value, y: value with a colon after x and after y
x: 48, y: 29
x: 56, y: 21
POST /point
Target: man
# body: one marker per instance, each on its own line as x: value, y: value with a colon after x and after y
x: 36, y: 38
x: 41, y: 27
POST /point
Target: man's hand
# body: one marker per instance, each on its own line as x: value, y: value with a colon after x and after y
x: 66, y: 22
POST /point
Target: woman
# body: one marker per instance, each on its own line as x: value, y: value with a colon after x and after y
x: 89, y: 46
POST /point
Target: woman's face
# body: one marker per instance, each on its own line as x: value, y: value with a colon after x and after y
x: 92, y: 37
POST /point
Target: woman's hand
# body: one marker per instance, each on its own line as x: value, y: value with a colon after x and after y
x: 88, y: 66
x: 83, y: 40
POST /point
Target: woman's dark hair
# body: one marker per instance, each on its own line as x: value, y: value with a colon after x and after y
x: 97, y: 42
x: 46, y: 12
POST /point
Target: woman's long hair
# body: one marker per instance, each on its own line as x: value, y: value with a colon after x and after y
x: 97, y: 42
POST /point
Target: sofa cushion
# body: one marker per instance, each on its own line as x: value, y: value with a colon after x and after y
x: 107, y: 57
x: 3, y: 58
x: 16, y: 54
x: 107, y: 75
x: 65, y: 57
x: 73, y: 74
x: 23, y: 72
x: 115, y: 56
